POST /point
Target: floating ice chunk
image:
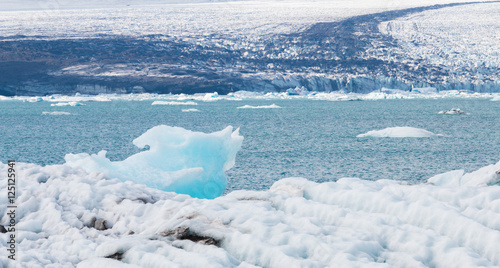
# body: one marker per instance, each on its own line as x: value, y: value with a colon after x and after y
x: 56, y: 113
x: 272, y: 106
x: 190, y: 110
x: 71, y: 103
x: 496, y: 98
x: 178, y: 160
x: 211, y: 97
x: 297, y: 91
x: 453, y: 111
x: 34, y: 99
x: 399, y: 132
x: 174, y: 103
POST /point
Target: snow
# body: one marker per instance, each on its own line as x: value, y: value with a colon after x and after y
x: 447, y: 222
x: 56, y: 113
x: 399, y: 132
x: 173, y: 103
x: 177, y: 160
x: 272, y: 106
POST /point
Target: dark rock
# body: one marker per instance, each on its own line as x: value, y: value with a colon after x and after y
x: 2, y: 229
x: 117, y: 256
x: 184, y: 233
x: 100, y: 224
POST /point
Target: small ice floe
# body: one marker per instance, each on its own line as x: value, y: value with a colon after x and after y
x: 399, y: 132
x: 453, y: 111
x: 174, y: 103
x: 71, y: 103
x: 56, y: 113
x: 272, y: 106
x: 34, y: 99
x: 190, y: 110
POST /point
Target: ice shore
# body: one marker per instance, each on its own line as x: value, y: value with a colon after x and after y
x: 69, y: 217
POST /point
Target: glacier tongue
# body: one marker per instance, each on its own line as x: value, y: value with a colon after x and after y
x: 178, y: 160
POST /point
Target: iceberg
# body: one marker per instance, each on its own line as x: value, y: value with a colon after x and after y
x: 103, y: 222
x: 399, y: 132
x: 178, y: 160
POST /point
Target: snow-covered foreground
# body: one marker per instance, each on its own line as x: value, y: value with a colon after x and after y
x: 68, y: 217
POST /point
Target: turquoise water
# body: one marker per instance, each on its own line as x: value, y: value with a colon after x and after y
x: 307, y: 138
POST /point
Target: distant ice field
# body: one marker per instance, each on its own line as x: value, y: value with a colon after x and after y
x: 314, y: 139
x: 53, y: 20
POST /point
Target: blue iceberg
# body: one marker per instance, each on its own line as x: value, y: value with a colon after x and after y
x: 178, y: 160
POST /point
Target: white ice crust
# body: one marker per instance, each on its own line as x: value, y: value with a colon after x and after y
x: 447, y: 222
x: 178, y: 160
x: 399, y: 132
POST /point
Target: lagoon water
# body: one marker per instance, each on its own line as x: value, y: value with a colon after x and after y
x: 307, y: 138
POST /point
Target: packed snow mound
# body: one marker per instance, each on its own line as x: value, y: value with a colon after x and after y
x: 174, y: 103
x: 272, y: 106
x: 68, y: 217
x: 178, y: 160
x: 453, y: 111
x: 399, y: 132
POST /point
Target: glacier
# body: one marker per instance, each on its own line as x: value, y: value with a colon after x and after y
x: 175, y: 159
x: 69, y: 217
x: 323, y: 46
